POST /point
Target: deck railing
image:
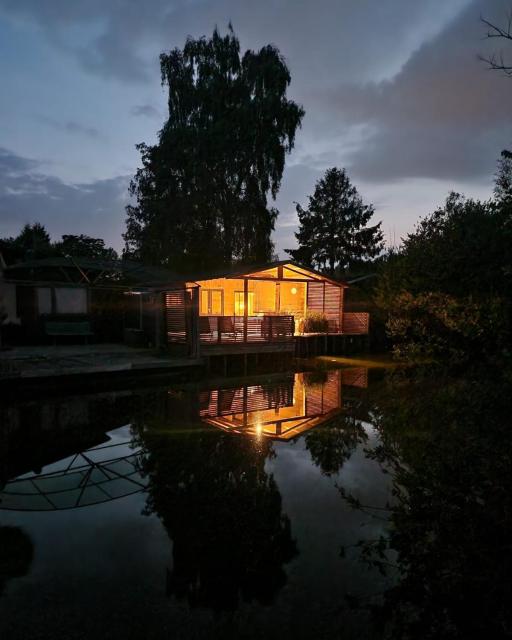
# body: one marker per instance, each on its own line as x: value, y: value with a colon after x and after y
x: 356, y: 323
x: 233, y: 330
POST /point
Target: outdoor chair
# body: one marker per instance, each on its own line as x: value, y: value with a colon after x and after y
x: 228, y: 327
x: 205, y: 328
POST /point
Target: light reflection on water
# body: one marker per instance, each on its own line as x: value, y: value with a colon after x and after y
x: 252, y: 500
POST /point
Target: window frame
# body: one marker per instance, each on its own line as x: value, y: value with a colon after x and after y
x: 208, y: 311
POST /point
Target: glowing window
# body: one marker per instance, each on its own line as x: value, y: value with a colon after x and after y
x: 212, y: 302
x: 239, y: 303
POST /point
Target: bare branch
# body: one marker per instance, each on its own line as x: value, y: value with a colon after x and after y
x: 497, y: 61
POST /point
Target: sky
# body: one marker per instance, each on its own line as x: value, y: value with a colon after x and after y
x: 393, y: 90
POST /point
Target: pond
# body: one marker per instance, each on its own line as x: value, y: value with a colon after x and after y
x: 332, y: 503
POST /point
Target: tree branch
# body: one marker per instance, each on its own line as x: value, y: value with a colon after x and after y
x: 497, y: 62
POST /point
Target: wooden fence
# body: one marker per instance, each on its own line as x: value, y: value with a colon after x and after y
x: 356, y: 323
x: 233, y: 330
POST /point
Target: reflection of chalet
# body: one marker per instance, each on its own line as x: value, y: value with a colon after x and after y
x: 279, y: 411
x: 256, y: 310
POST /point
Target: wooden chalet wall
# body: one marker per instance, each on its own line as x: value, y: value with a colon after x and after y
x: 326, y: 298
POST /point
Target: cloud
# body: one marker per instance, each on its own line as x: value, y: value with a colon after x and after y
x: 27, y: 195
x: 123, y: 39
x: 145, y: 110
x: 72, y: 127
x: 444, y: 115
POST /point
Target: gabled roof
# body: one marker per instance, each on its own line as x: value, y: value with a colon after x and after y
x: 241, y: 271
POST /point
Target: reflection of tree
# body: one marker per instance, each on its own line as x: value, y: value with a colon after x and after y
x: 223, y: 514
x: 16, y: 552
x: 449, y: 449
x: 332, y: 444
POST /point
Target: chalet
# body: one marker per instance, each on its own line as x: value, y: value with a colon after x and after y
x: 257, y: 310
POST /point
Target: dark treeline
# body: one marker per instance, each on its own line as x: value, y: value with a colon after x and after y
x: 446, y: 293
x: 34, y: 242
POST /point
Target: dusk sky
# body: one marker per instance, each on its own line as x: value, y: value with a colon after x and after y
x: 393, y: 91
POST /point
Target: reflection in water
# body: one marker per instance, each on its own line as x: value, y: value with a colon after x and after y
x: 99, y: 474
x: 219, y: 505
x: 210, y: 487
x: 281, y: 411
x: 447, y: 445
x: 333, y: 443
x: 223, y: 514
x: 16, y: 552
x: 243, y: 502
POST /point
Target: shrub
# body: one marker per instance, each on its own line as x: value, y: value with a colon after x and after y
x: 315, y: 322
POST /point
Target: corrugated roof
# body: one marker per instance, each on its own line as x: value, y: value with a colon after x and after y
x: 155, y: 276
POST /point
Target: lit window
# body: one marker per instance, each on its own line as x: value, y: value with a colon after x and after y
x: 239, y: 303
x: 212, y: 302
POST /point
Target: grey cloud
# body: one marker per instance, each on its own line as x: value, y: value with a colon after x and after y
x: 146, y: 110
x: 322, y: 40
x: 443, y: 116
x: 26, y: 195
x: 72, y: 127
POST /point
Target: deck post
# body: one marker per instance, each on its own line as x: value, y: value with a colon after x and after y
x: 194, y: 323
x: 246, y: 306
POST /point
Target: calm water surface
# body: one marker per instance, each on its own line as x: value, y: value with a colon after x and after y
x: 326, y: 504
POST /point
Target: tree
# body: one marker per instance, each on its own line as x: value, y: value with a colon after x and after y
x: 85, y: 246
x: 447, y: 292
x: 333, y: 233
x: 444, y: 443
x: 503, y: 184
x: 32, y: 242
x: 498, y: 62
x: 202, y: 189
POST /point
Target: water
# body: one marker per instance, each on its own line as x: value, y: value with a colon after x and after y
x: 328, y: 504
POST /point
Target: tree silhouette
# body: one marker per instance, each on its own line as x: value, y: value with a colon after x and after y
x: 202, y: 189
x: 16, y: 553
x: 334, y: 232
x: 84, y: 246
x: 32, y: 242
x: 446, y: 444
x: 332, y: 444
x: 223, y: 513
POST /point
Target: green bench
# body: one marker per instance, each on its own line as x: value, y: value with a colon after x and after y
x: 58, y: 328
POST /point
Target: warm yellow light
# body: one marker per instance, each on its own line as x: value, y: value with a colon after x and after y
x: 294, y: 291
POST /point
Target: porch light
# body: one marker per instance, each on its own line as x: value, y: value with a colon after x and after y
x: 294, y: 291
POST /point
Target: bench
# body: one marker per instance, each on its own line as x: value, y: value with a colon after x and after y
x: 58, y: 328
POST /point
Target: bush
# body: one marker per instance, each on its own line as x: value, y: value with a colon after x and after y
x: 315, y: 322
x: 437, y: 326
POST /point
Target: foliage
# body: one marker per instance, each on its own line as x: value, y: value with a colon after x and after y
x: 447, y: 291
x: 447, y: 445
x: 34, y: 242
x: 16, y: 554
x: 222, y: 511
x: 84, y: 246
x: 331, y: 445
x: 202, y: 189
x: 503, y: 183
x: 315, y: 322
x: 334, y: 232
x: 441, y: 327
